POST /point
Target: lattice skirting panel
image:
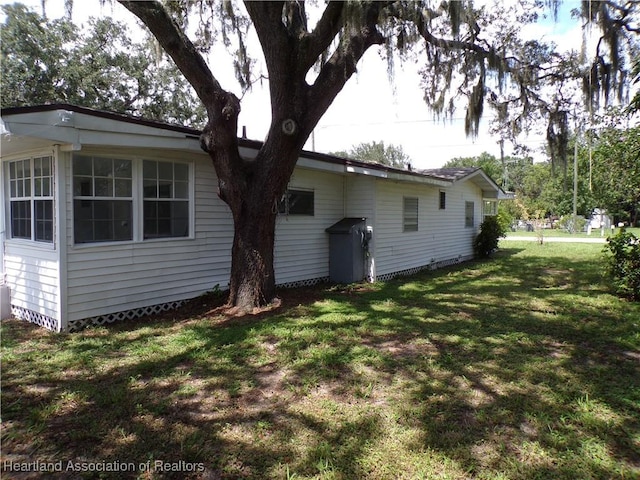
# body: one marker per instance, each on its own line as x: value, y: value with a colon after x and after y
x: 35, y: 317
x: 76, y: 325
x: 430, y: 266
x: 304, y: 283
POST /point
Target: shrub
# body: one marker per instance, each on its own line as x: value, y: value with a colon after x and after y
x: 568, y: 224
x: 623, y: 263
x: 486, y: 242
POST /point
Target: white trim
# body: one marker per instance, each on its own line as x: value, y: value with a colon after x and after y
x: 137, y: 195
x: 60, y: 231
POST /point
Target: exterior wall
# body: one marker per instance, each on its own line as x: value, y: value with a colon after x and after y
x: 441, y: 237
x: 32, y: 269
x: 105, y: 278
x: 32, y: 274
x: 360, y: 195
x: 301, y: 251
x: 64, y: 286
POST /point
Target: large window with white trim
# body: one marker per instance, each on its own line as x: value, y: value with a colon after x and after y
x: 31, y: 199
x: 130, y: 199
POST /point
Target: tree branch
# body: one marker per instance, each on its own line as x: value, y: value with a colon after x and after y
x: 179, y: 48
x: 342, y: 65
x: 267, y: 20
x: 326, y: 29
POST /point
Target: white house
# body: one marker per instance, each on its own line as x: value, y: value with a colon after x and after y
x: 109, y: 217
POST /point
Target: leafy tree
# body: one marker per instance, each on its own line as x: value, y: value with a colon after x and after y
x: 616, y: 172
x: 464, y: 50
x: 55, y: 62
x: 573, y: 85
x: 508, y: 172
x: 378, y: 152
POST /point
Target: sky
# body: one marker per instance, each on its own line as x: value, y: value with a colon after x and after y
x: 369, y: 108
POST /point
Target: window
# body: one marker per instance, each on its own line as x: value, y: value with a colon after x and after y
x: 166, y: 199
x: 108, y: 191
x: 443, y: 200
x: 489, y: 207
x: 469, y: 219
x: 102, y: 199
x: 31, y: 199
x: 410, y: 214
x: 297, y: 202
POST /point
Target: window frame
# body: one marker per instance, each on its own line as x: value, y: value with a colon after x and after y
x: 469, y: 220
x: 410, y: 218
x: 442, y: 200
x: 96, y: 198
x: 34, y: 199
x: 137, y: 199
x: 284, y: 205
x: 173, y: 200
x: 489, y: 207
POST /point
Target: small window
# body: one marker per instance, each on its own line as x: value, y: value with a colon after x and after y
x: 166, y: 199
x: 410, y: 214
x: 102, y: 199
x: 443, y: 200
x: 31, y: 199
x: 469, y: 219
x: 297, y: 202
x: 490, y: 208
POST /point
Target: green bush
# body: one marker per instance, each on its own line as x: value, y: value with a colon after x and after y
x: 571, y: 225
x: 486, y: 242
x: 623, y: 263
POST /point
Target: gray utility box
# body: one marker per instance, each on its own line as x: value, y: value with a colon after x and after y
x: 346, y: 250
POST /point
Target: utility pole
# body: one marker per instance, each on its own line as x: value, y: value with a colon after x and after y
x: 575, y: 181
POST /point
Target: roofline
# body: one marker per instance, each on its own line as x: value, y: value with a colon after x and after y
x: 242, y: 142
x: 122, y: 117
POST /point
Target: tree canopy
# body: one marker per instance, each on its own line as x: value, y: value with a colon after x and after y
x: 55, y: 61
x: 378, y: 152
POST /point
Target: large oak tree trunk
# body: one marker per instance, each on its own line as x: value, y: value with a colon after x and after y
x: 252, y: 280
x: 251, y: 187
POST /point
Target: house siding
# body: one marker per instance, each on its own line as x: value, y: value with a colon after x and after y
x: 116, y: 277
x: 32, y: 273
x: 441, y: 236
x: 301, y: 251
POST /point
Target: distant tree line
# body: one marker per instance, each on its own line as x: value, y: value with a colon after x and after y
x: 608, y: 178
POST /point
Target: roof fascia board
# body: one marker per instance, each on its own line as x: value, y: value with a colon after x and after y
x: 490, y: 189
x: 394, y: 175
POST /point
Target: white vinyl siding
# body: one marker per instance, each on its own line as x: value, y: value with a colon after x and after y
x: 32, y: 274
x: 31, y: 266
x: 441, y: 237
x: 110, y: 278
x: 302, y: 245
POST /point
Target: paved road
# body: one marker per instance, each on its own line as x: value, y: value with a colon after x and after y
x: 559, y: 239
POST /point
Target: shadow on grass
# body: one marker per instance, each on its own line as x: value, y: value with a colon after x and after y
x: 521, y: 367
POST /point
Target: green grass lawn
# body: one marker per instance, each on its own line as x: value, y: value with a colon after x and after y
x: 521, y: 367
